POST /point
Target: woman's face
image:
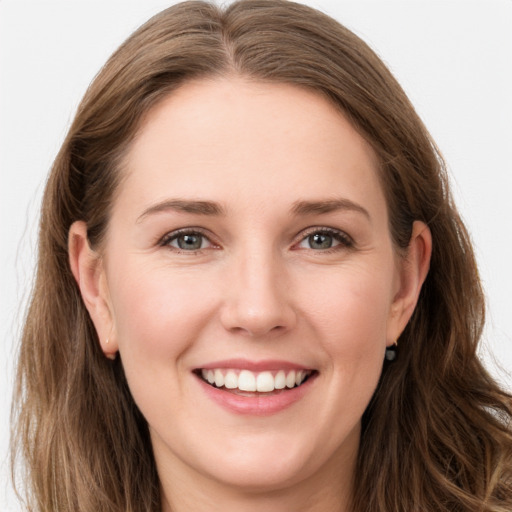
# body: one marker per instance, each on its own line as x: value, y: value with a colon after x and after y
x: 249, y: 246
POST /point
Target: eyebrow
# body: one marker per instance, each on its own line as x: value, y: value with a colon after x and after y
x: 211, y: 208
x: 185, y: 206
x: 327, y: 206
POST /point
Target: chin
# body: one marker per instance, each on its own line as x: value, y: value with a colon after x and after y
x: 258, y: 476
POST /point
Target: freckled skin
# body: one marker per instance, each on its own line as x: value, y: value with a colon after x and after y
x: 257, y: 288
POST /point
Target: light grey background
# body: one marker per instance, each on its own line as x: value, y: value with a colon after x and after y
x: 453, y: 57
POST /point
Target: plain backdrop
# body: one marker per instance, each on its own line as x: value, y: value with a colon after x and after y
x: 453, y: 58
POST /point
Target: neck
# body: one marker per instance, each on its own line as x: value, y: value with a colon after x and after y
x: 254, y: 502
x: 299, y: 499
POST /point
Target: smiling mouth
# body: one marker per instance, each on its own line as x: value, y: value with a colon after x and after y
x: 245, y: 381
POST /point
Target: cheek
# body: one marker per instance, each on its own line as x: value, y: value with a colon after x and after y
x: 350, y: 308
x: 158, y: 317
x: 349, y: 312
x: 157, y: 312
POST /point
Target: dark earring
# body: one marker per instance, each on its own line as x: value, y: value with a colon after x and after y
x: 391, y: 352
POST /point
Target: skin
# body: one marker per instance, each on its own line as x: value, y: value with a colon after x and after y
x: 257, y: 289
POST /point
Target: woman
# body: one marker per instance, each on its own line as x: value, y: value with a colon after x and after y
x: 244, y: 218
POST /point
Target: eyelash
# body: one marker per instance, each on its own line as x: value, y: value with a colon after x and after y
x: 345, y: 241
x: 166, y: 240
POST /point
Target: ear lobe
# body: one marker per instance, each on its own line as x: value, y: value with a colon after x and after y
x: 87, y: 268
x: 413, y: 270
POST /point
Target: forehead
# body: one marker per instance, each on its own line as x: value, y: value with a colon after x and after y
x: 234, y: 138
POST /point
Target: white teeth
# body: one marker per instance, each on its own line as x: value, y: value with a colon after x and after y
x: 290, y: 380
x: 231, y: 380
x: 265, y: 382
x: 245, y: 380
x: 280, y: 380
x: 219, y: 379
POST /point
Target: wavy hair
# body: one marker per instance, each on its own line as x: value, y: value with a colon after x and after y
x: 436, y: 435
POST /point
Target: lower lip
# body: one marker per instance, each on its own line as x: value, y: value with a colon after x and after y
x: 259, y: 404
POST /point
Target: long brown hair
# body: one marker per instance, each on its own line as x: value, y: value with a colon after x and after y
x: 436, y: 435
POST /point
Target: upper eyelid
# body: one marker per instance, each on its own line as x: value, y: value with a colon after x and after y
x: 314, y: 229
x: 171, y: 235
x: 323, y: 229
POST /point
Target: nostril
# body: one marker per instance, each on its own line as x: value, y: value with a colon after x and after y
x: 257, y: 323
x: 258, y: 331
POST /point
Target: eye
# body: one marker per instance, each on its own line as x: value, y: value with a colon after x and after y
x: 325, y: 239
x: 186, y: 240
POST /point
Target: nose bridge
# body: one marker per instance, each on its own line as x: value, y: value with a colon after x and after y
x: 258, y: 301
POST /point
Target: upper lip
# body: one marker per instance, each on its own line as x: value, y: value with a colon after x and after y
x: 254, y: 366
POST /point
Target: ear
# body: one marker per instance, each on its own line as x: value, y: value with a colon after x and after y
x: 412, y: 272
x: 87, y: 267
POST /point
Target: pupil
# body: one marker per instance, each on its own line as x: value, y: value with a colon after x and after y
x: 320, y: 241
x: 189, y: 242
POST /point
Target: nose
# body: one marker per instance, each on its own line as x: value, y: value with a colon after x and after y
x: 258, y: 301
